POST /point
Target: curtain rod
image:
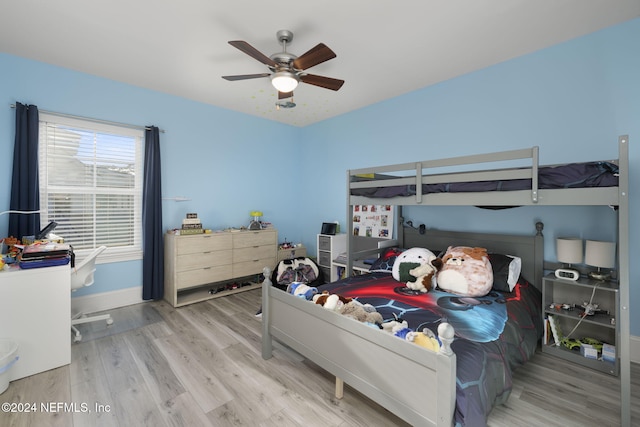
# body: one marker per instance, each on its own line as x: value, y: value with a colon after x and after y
x: 104, y: 122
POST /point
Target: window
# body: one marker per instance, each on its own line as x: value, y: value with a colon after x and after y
x: 91, y: 184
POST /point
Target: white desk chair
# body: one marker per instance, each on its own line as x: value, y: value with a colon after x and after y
x: 81, y: 276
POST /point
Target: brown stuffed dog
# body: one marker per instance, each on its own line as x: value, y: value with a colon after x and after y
x: 330, y: 301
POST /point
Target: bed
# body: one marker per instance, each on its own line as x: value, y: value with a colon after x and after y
x: 289, y: 320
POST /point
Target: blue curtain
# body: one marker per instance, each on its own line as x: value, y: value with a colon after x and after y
x: 25, y: 194
x: 153, y: 246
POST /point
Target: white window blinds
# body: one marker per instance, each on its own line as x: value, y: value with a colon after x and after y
x: 91, y: 183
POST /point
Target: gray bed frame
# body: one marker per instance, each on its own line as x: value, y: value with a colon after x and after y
x: 388, y: 370
x: 474, y: 168
x: 307, y: 329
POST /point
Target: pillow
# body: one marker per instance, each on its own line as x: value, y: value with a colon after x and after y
x: 384, y: 264
x: 466, y: 271
x: 506, y: 271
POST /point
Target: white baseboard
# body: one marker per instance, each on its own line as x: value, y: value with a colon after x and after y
x: 107, y: 300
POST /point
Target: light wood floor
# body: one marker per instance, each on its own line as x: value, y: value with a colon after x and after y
x: 200, y: 365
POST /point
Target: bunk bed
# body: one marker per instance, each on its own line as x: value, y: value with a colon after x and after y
x: 446, y: 183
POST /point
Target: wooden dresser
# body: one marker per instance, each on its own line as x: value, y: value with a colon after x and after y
x: 198, y: 267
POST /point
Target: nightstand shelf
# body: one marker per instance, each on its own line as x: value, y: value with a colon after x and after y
x: 563, y: 299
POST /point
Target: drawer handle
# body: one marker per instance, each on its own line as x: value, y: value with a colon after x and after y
x: 206, y: 236
x: 207, y: 268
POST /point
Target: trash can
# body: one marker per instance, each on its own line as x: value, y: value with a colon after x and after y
x: 8, y: 356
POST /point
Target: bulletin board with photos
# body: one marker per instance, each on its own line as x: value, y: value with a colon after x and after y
x: 373, y: 221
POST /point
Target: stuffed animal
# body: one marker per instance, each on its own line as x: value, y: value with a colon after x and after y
x: 330, y: 301
x: 301, y: 290
x: 416, y: 267
x: 361, y: 312
x: 393, y: 326
x: 426, y: 339
x: 466, y: 271
x: 400, y: 329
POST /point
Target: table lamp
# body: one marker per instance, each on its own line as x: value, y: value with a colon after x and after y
x: 569, y: 251
x: 255, y: 222
x: 601, y: 255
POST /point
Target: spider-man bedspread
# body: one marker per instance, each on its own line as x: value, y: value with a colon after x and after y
x: 494, y: 334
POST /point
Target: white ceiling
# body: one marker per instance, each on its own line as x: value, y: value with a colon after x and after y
x: 384, y: 48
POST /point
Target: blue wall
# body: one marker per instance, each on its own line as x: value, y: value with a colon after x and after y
x: 225, y: 162
x: 572, y: 100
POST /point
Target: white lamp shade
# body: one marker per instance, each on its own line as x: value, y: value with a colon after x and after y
x: 600, y: 254
x: 569, y: 250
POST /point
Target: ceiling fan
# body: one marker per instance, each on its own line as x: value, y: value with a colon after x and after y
x: 287, y: 70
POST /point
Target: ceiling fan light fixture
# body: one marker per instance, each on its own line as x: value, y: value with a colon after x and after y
x: 284, y: 81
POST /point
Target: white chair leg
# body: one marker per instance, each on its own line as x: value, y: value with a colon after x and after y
x: 77, y: 337
x: 81, y: 318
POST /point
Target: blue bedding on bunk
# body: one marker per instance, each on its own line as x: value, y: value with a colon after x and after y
x: 494, y: 334
x: 573, y: 175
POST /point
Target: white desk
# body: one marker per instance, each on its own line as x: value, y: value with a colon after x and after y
x: 35, y: 311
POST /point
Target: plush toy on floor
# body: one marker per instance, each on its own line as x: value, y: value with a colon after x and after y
x: 416, y: 267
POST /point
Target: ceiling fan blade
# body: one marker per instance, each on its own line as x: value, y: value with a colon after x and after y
x: 283, y: 95
x: 325, y: 82
x: 316, y: 55
x: 245, y: 76
x: 253, y: 52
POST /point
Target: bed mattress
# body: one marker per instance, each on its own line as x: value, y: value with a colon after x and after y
x: 574, y: 175
x: 494, y: 334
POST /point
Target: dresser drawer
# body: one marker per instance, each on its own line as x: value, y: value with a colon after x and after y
x: 202, y: 260
x: 202, y: 243
x: 247, y: 268
x: 253, y: 253
x: 247, y: 239
x: 200, y: 276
